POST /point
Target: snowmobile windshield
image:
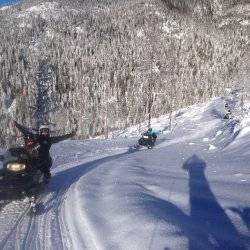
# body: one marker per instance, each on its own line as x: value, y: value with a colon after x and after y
x: 15, y: 154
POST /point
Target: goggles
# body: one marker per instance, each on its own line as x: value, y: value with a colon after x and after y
x: 44, y: 131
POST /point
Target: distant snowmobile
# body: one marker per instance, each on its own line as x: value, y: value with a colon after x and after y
x: 146, y: 140
x: 20, y: 176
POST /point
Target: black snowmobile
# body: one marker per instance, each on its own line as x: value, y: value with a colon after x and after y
x: 146, y: 141
x: 20, y: 176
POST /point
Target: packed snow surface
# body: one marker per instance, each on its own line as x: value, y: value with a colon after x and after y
x: 191, y: 191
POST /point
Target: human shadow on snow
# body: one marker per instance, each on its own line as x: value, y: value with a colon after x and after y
x: 209, y: 218
x: 207, y: 226
x: 244, y: 213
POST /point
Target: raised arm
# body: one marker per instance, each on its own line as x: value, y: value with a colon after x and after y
x: 56, y: 139
x: 25, y: 131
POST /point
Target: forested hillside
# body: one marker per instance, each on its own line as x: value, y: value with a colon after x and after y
x: 108, y: 64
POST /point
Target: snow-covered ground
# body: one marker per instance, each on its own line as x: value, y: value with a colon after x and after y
x: 191, y: 191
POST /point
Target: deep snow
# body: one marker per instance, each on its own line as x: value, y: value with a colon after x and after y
x: 191, y: 191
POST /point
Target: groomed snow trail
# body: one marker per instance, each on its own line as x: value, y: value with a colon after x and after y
x: 189, y: 192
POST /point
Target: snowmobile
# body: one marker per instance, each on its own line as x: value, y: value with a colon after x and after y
x: 146, y: 141
x: 20, y: 176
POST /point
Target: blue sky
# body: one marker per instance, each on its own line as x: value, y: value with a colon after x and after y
x: 7, y: 2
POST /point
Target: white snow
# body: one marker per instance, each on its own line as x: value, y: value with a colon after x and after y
x: 170, y: 26
x: 5, y: 8
x: 244, y: 132
x: 45, y: 10
x: 218, y: 133
x: 12, y: 107
x: 80, y: 30
x: 211, y: 147
x: 245, y: 22
x: 185, y: 193
x: 140, y: 33
x: 43, y: 7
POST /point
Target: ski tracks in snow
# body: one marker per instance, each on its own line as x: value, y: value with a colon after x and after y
x: 54, y: 224
x: 13, y: 230
x: 34, y: 231
x: 49, y: 229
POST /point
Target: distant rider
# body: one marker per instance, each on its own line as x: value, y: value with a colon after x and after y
x: 151, y: 135
x: 45, y: 142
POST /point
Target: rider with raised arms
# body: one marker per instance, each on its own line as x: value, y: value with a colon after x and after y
x: 45, y: 141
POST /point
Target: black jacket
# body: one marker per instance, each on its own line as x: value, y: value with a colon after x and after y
x: 44, y: 142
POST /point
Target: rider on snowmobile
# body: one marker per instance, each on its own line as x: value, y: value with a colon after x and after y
x: 45, y: 142
x: 151, y: 136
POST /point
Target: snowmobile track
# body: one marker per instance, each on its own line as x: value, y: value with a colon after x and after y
x: 27, y: 220
x: 15, y: 228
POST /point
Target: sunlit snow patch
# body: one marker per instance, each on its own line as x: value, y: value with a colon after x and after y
x: 5, y: 7
x: 218, y: 133
x: 211, y: 147
x: 244, y: 132
x: 42, y: 8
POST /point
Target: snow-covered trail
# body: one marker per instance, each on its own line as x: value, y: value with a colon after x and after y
x: 189, y: 192
x: 171, y: 204
x: 47, y: 230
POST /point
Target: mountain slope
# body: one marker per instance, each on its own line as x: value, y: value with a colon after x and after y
x: 189, y: 192
x: 111, y: 64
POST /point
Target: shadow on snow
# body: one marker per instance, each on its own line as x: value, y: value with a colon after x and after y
x: 212, y: 225
x: 62, y: 181
x: 207, y: 226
